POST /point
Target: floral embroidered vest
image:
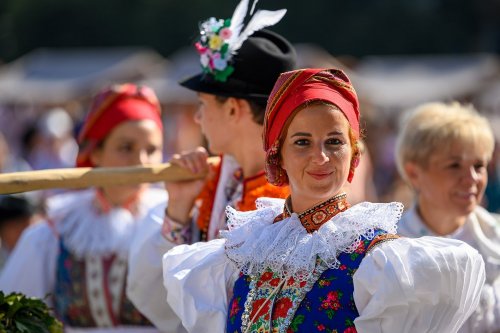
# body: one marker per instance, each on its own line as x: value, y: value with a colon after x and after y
x: 90, y: 292
x: 324, y: 303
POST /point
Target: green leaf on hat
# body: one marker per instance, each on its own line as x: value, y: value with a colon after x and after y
x: 223, y: 49
x: 224, y: 74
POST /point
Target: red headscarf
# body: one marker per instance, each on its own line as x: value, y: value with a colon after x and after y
x: 294, y: 89
x: 111, y: 107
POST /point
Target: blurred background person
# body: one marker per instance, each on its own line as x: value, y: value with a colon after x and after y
x: 79, y: 255
x: 51, y: 144
x: 16, y: 214
x: 443, y: 151
x: 8, y: 161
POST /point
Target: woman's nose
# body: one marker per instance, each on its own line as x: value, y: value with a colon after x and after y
x: 472, y: 174
x: 142, y: 157
x: 320, y: 155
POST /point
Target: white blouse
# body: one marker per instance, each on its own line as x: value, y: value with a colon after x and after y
x: 405, y: 285
x: 481, y: 231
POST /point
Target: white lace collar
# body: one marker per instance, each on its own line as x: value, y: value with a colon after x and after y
x: 254, y: 243
x: 86, y: 231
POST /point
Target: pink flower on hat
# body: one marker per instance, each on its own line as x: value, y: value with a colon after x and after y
x: 225, y: 33
x: 200, y: 48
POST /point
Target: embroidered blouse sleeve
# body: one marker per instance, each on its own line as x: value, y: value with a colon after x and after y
x: 199, y: 278
x: 426, y: 284
x: 31, y: 267
x: 145, y: 280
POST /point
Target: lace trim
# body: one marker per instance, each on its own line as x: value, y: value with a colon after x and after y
x: 87, y: 231
x: 254, y: 243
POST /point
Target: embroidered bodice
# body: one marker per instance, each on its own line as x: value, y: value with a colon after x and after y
x: 268, y: 303
x: 91, y: 267
x: 275, y: 300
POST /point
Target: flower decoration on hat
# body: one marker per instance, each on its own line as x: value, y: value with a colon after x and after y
x: 221, y: 39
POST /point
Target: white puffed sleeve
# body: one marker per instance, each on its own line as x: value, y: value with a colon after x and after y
x: 145, y: 278
x: 31, y: 268
x: 199, y: 279
x: 427, y: 284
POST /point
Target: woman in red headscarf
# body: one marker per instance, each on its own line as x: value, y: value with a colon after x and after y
x: 79, y: 256
x: 313, y: 263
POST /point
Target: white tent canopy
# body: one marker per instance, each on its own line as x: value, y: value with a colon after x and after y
x: 402, y: 82
x: 59, y: 75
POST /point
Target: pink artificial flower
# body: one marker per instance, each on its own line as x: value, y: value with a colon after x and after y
x: 225, y: 33
x: 200, y: 48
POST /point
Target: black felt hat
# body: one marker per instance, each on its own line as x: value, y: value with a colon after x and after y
x: 257, y: 66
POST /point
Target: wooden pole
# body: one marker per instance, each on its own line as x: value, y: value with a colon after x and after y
x: 88, y: 177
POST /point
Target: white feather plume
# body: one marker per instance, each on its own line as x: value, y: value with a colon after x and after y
x: 253, y: 6
x: 237, y: 20
x: 261, y: 19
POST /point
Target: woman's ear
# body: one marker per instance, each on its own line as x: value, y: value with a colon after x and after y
x: 413, y: 171
x: 355, y: 159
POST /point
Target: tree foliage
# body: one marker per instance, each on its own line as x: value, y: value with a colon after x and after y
x: 20, y: 314
x: 354, y: 27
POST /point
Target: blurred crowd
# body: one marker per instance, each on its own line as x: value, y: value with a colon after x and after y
x: 38, y: 135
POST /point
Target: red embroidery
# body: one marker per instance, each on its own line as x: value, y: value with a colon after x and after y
x: 313, y: 218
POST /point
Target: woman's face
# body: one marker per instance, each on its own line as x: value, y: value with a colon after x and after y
x: 316, y: 154
x: 454, y: 180
x: 130, y: 143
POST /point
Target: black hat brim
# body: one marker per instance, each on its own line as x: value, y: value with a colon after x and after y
x: 231, y: 88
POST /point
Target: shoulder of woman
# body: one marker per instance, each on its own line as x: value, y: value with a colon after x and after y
x: 431, y: 278
x: 423, y: 254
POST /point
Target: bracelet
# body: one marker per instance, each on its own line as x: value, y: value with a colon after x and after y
x: 174, y: 231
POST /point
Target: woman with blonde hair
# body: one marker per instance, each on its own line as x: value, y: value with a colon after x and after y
x: 312, y: 262
x: 442, y: 152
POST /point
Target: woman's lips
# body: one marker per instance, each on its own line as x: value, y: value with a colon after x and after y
x: 319, y: 174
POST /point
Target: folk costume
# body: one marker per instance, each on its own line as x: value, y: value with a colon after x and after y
x: 77, y: 259
x: 481, y: 231
x: 236, y: 62
x: 332, y: 268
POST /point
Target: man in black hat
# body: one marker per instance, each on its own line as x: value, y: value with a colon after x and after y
x: 231, y: 115
x: 238, y: 74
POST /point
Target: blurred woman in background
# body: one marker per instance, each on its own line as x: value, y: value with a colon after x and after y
x: 79, y: 255
x: 443, y: 151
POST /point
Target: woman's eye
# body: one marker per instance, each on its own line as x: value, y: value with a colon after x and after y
x: 301, y: 142
x: 480, y: 166
x: 152, y: 150
x: 454, y: 165
x: 125, y: 148
x: 333, y: 141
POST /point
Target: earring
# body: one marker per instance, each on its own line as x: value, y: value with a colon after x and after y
x: 354, y: 165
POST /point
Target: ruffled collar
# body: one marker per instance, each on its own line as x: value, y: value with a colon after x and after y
x: 255, y: 243
x: 88, y: 229
x: 313, y: 218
